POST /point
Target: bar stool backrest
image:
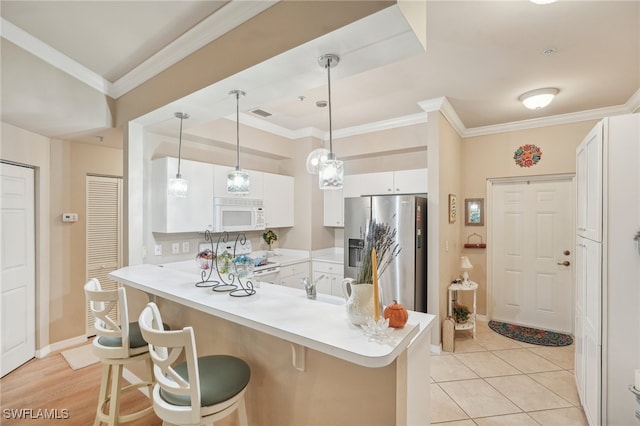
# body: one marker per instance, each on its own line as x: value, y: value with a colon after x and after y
x: 102, y: 304
x: 165, y: 347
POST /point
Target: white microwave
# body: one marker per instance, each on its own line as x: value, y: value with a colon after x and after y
x: 237, y: 215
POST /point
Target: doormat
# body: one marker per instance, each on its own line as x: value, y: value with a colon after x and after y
x: 534, y: 336
x: 80, y: 357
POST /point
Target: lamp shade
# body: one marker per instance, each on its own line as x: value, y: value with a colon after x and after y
x: 465, y: 264
x: 539, y: 98
x: 331, y: 174
x: 238, y: 182
x: 315, y: 158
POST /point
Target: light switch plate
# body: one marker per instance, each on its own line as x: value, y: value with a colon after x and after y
x: 175, y: 248
x: 157, y: 250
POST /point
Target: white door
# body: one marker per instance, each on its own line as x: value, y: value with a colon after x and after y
x: 532, y: 241
x: 17, y: 289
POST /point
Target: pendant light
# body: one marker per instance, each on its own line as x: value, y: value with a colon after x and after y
x: 318, y: 155
x: 331, y: 171
x: 178, y: 186
x: 238, y: 180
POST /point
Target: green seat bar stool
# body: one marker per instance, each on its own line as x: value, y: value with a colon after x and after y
x: 117, y: 344
x: 200, y: 390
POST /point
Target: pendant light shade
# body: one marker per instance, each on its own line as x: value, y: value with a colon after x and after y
x: 315, y: 158
x: 331, y: 171
x: 238, y: 180
x: 179, y: 187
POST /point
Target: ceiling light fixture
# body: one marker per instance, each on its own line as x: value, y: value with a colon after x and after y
x: 539, y: 98
x: 178, y: 186
x: 238, y: 180
x: 331, y: 171
x: 318, y: 155
x: 542, y: 1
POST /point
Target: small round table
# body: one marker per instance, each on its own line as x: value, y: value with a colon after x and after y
x: 471, y: 322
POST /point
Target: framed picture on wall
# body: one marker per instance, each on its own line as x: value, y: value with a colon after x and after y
x: 453, y: 208
x: 473, y: 212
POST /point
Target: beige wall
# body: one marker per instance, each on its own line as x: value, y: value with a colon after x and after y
x: 70, y: 165
x: 491, y: 156
x: 450, y: 182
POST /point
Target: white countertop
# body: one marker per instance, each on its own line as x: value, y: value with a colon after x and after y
x: 333, y: 255
x: 314, y: 324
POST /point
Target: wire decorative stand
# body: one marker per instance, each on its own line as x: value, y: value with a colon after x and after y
x: 230, y: 280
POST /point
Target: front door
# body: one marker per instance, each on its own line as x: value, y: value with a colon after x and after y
x: 17, y: 289
x: 531, y: 257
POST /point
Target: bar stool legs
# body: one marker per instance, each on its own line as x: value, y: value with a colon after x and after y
x: 111, y: 390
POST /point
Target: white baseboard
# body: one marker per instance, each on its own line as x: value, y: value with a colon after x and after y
x: 60, y: 346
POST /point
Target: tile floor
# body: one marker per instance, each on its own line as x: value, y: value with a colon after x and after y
x: 494, y: 380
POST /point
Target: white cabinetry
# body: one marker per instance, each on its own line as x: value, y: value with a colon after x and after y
x: 368, y: 184
x: 410, y: 181
x: 278, y: 200
x: 399, y: 182
x: 256, y: 183
x: 333, y: 208
x: 607, y: 271
x: 292, y: 275
x: 332, y: 275
x: 589, y: 185
x: 193, y: 213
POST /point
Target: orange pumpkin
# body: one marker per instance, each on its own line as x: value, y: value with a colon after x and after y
x: 397, y: 315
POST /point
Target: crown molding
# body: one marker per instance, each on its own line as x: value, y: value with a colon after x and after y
x: 214, y: 26
x: 634, y: 102
x: 220, y: 22
x: 53, y: 57
x: 574, y: 117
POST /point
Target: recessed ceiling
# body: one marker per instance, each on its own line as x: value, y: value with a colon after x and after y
x: 480, y: 55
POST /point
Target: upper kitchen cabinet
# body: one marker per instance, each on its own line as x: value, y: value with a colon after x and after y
x: 410, y: 181
x: 278, y: 200
x: 193, y: 213
x: 397, y: 182
x: 589, y: 184
x: 256, y: 183
x: 368, y: 184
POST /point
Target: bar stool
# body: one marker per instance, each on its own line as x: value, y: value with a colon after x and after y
x: 117, y: 345
x: 200, y: 390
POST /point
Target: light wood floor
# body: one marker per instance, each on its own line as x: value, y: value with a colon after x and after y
x: 49, y: 383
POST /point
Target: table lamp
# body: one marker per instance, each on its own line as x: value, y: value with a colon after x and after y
x: 466, y: 266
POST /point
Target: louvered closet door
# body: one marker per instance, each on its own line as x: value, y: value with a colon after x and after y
x: 104, y: 235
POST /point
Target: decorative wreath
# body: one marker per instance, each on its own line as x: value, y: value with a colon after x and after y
x: 527, y: 155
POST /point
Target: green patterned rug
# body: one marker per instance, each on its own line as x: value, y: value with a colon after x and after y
x: 534, y: 336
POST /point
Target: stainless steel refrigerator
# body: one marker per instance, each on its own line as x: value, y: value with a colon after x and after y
x: 405, y: 280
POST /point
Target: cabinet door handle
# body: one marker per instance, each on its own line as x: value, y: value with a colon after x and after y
x: 565, y: 263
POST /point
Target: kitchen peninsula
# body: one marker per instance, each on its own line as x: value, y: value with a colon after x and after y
x: 309, y: 364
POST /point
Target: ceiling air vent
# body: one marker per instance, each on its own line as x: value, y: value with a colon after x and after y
x: 261, y: 113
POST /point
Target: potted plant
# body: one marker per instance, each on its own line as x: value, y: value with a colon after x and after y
x: 460, y: 313
x: 269, y: 237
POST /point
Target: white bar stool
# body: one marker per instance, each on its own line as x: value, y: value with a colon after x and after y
x: 200, y: 390
x: 117, y: 345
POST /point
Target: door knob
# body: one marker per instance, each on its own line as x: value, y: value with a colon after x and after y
x: 565, y: 263
x: 566, y: 253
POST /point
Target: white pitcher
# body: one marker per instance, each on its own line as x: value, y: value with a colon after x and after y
x: 359, y: 299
